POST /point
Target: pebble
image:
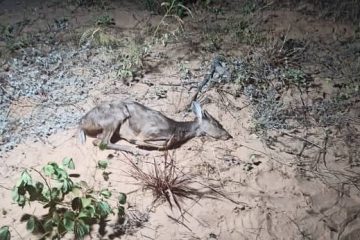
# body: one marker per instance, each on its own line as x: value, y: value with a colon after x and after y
x: 44, y: 77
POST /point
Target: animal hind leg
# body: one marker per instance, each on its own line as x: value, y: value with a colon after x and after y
x: 105, y: 143
x: 105, y: 137
x: 109, y: 129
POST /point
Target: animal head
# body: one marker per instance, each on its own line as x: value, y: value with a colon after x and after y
x: 208, y: 125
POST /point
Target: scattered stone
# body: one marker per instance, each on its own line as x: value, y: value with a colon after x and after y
x: 55, y: 81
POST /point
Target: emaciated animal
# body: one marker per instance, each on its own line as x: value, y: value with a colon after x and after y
x: 145, y: 127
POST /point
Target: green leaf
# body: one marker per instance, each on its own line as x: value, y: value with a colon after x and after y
x: 60, y: 174
x: 49, y: 169
x: 22, y: 200
x: 30, y: 225
x: 67, y: 185
x: 15, y: 194
x: 103, y: 209
x: 54, y: 171
x: 105, y: 193
x: 56, y: 194
x: 46, y: 194
x: 32, y: 192
x: 19, y: 183
x: 88, y: 212
x: 68, y: 221
x: 122, y: 198
x: 5, y: 233
x: 18, y: 198
x: 103, y: 164
x: 85, y: 202
x: 69, y: 214
x: 76, y: 191
x: 61, y: 230
x: 121, y: 211
x: 76, y: 204
x: 56, y: 218
x: 39, y: 186
x: 81, y: 229
x: 48, y: 225
x: 69, y: 163
x: 25, y: 177
x: 21, y: 190
x: 84, y: 214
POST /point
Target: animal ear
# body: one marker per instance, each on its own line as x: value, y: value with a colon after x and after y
x: 206, y: 114
x: 126, y: 111
x: 196, y: 108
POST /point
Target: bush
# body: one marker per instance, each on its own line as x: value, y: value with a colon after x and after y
x: 72, y: 207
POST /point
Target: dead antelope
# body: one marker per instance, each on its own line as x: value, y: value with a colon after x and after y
x: 145, y: 127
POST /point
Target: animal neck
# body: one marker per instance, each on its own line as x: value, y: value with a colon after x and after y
x: 186, y: 130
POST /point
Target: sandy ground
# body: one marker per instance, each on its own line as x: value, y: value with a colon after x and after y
x: 252, y: 191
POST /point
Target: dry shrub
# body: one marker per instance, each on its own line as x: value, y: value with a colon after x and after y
x: 284, y: 52
x: 166, y: 182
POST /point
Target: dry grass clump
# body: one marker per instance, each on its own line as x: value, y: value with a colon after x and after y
x: 98, y: 37
x: 284, y: 52
x: 166, y: 182
x: 265, y: 75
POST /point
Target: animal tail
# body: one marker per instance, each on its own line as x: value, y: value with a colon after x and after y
x: 82, y: 136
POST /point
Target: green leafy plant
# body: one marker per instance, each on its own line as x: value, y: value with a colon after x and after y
x: 72, y: 207
x: 102, y: 165
x: 173, y: 9
x: 5, y: 233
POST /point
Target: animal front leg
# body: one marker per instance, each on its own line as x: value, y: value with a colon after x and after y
x: 116, y: 147
x: 126, y: 149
